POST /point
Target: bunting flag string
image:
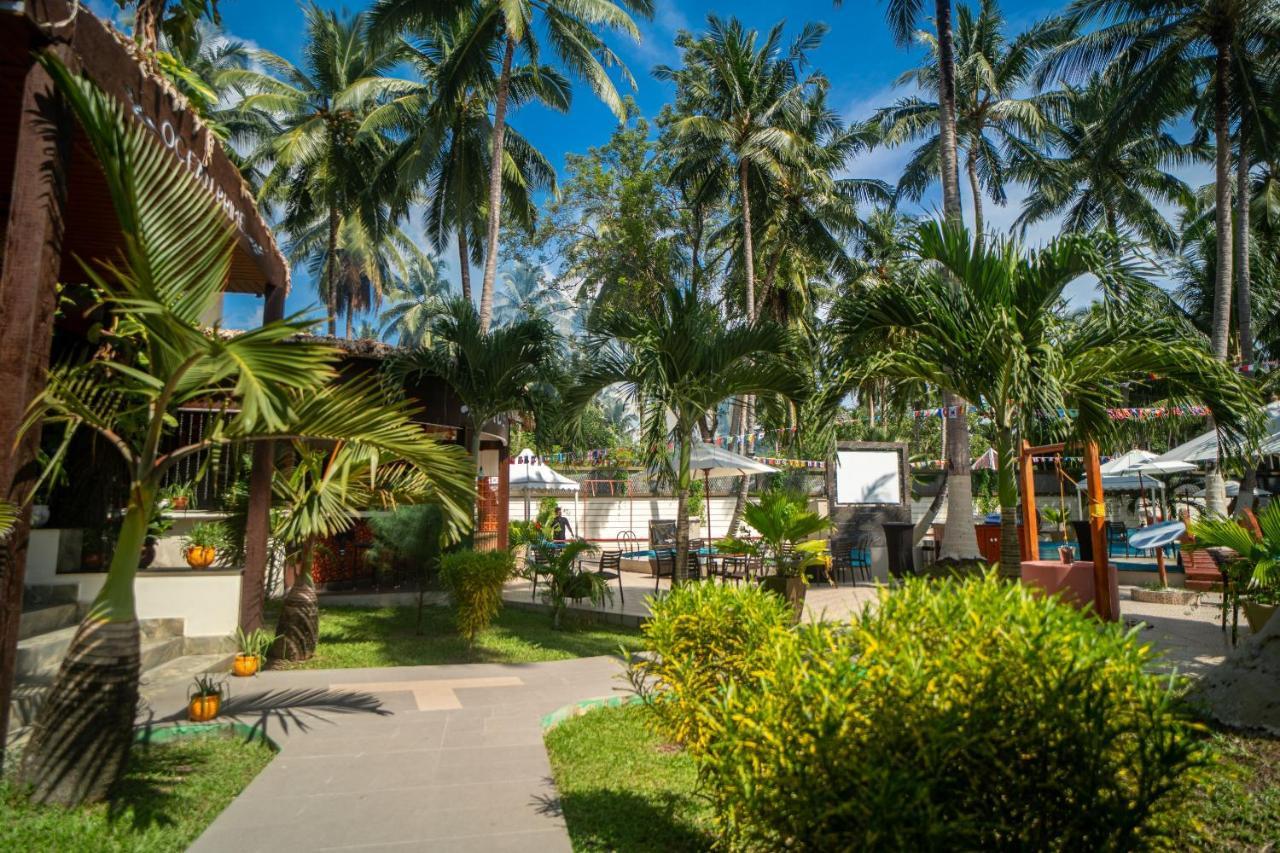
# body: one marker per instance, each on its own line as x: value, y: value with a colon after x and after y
x: 1120, y: 414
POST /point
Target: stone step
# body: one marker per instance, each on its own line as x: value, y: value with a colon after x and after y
x: 51, y: 617
x: 181, y: 671
x: 40, y: 656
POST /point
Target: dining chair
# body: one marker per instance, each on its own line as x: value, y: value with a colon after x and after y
x: 610, y: 568
x: 664, y: 565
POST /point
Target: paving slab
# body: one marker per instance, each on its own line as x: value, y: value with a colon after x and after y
x: 365, y: 765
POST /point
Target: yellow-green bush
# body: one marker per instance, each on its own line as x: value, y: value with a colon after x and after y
x: 956, y: 715
x: 474, y: 580
x: 702, y: 637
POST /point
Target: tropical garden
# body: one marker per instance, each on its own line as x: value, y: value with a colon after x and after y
x: 718, y: 271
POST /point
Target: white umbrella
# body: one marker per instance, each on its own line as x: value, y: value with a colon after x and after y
x: 1126, y: 463
x: 531, y: 472
x: 715, y: 461
x: 987, y: 461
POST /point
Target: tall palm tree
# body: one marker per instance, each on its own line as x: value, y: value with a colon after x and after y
x: 1093, y: 175
x: 525, y: 294
x: 572, y: 29
x: 959, y: 540
x: 175, y: 258
x: 323, y: 163
x: 492, y: 372
x: 676, y: 362
x: 985, y: 321
x: 992, y: 111
x: 444, y: 156
x: 415, y: 301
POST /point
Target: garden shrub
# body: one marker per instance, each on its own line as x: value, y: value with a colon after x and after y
x: 474, y: 580
x: 702, y: 637
x: 955, y: 715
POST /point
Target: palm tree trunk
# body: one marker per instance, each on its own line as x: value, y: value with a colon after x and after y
x: 350, y: 311
x: 298, y: 628
x: 749, y: 271
x: 976, y: 191
x: 747, y: 404
x: 1007, y: 488
x: 682, y: 509
x: 960, y: 540
x: 331, y: 274
x: 1244, y: 298
x: 81, y: 738
x: 1215, y: 495
x: 146, y: 23
x: 495, y: 185
x: 464, y: 262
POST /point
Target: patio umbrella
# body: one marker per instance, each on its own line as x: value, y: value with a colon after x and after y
x: 1168, y: 466
x: 987, y: 461
x: 1127, y: 464
x: 715, y: 461
x: 531, y: 472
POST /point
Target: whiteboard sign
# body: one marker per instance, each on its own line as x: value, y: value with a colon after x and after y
x: 868, y: 477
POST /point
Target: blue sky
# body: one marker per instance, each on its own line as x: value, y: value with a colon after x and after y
x: 858, y: 56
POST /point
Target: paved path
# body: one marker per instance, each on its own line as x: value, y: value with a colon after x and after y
x: 404, y: 758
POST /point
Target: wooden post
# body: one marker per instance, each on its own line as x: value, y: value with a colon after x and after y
x: 1102, y: 603
x: 258, y: 523
x: 1027, y: 484
x: 28, y: 296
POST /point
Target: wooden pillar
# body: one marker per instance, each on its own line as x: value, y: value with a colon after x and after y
x: 257, y: 528
x: 32, y: 257
x: 1027, y: 485
x: 504, y: 497
x: 1102, y: 603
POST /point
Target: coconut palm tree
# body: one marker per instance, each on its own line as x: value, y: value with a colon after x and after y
x: 175, y: 257
x: 572, y: 29
x: 177, y: 20
x: 322, y: 162
x: 525, y: 294
x: 444, y: 156
x: 416, y: 300
x: 987, y: 323
x: 676, y: 362
x: 992, y: 73
x: 491, y: 372
x: 1093, y: 174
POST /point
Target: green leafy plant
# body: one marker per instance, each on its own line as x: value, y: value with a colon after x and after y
x: 1258, y: 551
x: 205, y: 534
x: 525, y: 533
x: 415, y: 533
x: 1058, y: 517
x: 176, y: 495
x: 565, y: 582
x: 206, y: 685
x: 474, y: 580
x: 255, y: 643
x: 784, y: 523
x: 940, y: 718
x: 702, y: 638
x: 696, y: 503
x: 546, y: 511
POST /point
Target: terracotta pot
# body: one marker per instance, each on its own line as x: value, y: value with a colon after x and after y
x: 181, y: 503
x: 792, y: 589
x: 202, y: 709
x: 1257, y: 615
x: 200, y: 558
x: 91, y: 562
x: 245, y: 665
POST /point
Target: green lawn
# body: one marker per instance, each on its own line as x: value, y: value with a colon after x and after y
x: 371, y: 637
x: 169, y: 794
x: 622, y: 788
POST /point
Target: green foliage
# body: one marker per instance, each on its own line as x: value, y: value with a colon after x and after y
x: 704, y: 637
x: 547, y: 510
x: 206, y: 534
x: 1259, y: 556
x: 524, y: 533
x: 695, y: 503
x: 413, y: 532
x: 256, y: 643
x: 474, y: 580
x: 951, y: 716
x: 784, y: 522
x: 566, y: 582
x: 206, y: 685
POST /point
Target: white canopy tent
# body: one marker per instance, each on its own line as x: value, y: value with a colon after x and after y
x: 532, y: 474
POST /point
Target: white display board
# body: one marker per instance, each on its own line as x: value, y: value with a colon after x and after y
x: 868, y: 477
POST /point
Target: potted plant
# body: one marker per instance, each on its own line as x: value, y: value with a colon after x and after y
x: 520, y: 536
x: 1253, y: 573
x: 204, y: 699
x: 1058, y: 517
x: 202, y: 542
x: 784, y: 523
x: 566, y: 582
x: 253, y: 648
x: 179, y: 495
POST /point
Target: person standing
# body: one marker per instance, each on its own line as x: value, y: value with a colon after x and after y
x: 560, y: 527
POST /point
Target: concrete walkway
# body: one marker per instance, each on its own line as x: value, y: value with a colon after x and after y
x: 404, y: 758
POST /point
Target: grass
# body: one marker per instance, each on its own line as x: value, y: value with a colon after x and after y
x: 622, y: 788
x: 169, y: 794
x: 352, y: 637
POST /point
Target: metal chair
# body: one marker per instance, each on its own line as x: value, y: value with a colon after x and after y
x: 610, y: 568
x: 664, y: 563
x: 860, y: 557
x: 628, y: 542
x: 733, y: 567
x: 1118, y: 534
x: 541, y: 560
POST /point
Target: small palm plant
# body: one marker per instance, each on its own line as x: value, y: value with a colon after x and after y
x: 565, y: 582
x: 785, y: 524
x: 1253, y: 570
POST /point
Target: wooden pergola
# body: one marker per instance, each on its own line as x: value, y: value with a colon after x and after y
x: 1097, y: 517
x: 58, y: 215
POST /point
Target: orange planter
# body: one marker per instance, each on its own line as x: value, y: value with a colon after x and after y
x: 200, y: 558
x: 202, y: 709
x: 245, y: 665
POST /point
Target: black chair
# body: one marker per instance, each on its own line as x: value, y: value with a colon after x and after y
x: 664, y: 564
x: 611, y: 569
x: 733, y: 567
x: 1118, y: 534
x: 541, y: 560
